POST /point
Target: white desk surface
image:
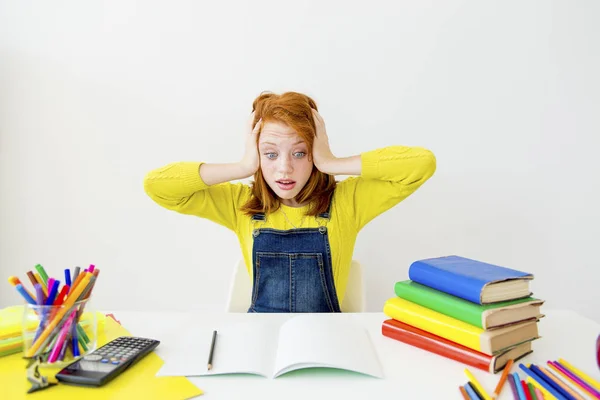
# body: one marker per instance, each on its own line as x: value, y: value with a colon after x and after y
x: 410, y: 373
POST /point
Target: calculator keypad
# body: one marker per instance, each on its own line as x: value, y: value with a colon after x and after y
x: 119, y: 350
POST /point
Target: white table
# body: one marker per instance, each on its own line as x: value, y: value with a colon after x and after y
x: 410, y: 373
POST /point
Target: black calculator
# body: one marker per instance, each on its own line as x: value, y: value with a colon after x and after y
x: 107, y: 362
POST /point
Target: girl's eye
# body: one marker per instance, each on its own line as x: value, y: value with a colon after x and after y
x: 271, y: 155
x: 299, y: 154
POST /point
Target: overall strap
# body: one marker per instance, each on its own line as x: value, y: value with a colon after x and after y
x: 327, y: 213
x: 259, y: 217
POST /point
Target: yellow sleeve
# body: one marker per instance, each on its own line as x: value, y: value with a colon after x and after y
x: 179, y: 187
x: 388, y: 176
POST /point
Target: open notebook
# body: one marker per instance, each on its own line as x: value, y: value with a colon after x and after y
x: 273, y: 347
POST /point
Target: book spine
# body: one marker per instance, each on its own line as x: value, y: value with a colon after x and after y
x: 424, y: 340
x: 431, y: 321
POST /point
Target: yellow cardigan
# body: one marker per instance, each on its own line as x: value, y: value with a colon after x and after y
x: 389, y: 175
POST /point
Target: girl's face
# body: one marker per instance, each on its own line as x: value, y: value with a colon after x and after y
x: 284, y: 161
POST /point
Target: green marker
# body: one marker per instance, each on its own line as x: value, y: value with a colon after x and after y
x: 43, y: 273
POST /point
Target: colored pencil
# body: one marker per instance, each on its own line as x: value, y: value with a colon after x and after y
x: 513, y: 388
x: 577, y: 380
x: 560, y: 383
x: 470, y: 389
x: 477, y: 385
x: 585, y: 377
x: 565, y: 379
x: 464, y: 393
x: 502, y: 380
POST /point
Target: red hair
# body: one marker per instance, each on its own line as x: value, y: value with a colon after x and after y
x: 294, y: 110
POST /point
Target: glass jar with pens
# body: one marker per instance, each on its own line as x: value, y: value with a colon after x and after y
x: 59, y: 325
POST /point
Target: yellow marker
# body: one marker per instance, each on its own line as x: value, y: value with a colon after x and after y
x: 588, y: 379
x: 477, y: 385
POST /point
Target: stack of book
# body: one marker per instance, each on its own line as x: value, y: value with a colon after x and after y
x: 470, y: 311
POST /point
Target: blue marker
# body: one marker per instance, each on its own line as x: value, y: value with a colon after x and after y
x: 24, y: 293
x: 68, y: 277
x: 52, y: 292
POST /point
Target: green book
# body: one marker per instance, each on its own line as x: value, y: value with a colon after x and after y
x: 483, y: 316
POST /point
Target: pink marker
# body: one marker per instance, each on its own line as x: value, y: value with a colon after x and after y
x: 61, y: 338
x: 91, y: 268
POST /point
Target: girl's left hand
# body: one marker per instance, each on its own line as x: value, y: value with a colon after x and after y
x: 322, y: 155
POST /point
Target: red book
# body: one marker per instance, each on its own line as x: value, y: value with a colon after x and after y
x: 427, y: 341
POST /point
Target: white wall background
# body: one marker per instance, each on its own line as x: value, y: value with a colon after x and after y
x: 95, y: 94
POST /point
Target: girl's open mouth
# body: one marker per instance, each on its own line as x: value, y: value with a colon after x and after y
x: 286, y: 184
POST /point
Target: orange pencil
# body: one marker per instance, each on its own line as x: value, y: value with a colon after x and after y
x: 502, y: 380
x: 464, y: 393
x: 68, y: 305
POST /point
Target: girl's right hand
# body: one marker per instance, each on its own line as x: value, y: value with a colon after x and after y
x: 251, y: 161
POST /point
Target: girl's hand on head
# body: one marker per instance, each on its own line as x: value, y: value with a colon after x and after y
x: 322, y: 155
x: 251, y: 161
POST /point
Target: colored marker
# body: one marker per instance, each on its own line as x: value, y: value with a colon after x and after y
x: 16, y: 281
x: 67, y: 276
x: 61, y: 338
x: 42, y: 272
x: 46, y: 335
x: 39, y: 280
x: 25, y: 294
x: 52, y: 291
x: 61, y: 296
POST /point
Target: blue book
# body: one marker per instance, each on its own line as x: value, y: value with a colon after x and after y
x: 472, y: 280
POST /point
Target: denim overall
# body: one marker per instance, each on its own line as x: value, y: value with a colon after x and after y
x: 292, y: 270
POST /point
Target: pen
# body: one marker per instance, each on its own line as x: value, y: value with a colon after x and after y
x: 212, y: 350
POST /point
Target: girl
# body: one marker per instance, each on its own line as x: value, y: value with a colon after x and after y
x: 296, y: 225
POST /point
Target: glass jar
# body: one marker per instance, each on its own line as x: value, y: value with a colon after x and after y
x: 59, y: 334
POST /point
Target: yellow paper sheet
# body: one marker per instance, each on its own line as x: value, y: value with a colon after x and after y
x: 137, y: 382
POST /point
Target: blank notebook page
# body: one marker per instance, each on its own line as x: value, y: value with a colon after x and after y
x: 241, y: 347
x: 318, y: 340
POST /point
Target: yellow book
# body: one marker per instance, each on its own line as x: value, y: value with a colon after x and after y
x: 489, y: 342
x: 137, y: 382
